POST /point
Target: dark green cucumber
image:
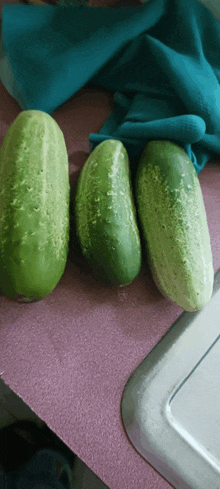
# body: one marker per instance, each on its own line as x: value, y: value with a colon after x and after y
x: 174, y: 224
x: 106, y: 223
x: 34, y: 206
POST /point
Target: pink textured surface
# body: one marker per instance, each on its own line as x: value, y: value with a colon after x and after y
x: 69, y: 356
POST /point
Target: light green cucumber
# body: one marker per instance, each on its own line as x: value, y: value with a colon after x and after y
x: 174, y: 224
x: 34, y: 206
x: 106, y: 223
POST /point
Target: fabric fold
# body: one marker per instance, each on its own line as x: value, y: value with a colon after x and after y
x: 159, y: 60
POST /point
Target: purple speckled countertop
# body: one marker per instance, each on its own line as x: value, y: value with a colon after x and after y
x: 69, y: 356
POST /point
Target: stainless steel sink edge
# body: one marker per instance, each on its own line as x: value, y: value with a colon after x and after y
x: 147, y: 397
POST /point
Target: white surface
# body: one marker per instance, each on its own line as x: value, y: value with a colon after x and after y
x: 195, y: 407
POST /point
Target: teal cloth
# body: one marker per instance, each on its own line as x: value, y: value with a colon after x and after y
x: 161, y: 60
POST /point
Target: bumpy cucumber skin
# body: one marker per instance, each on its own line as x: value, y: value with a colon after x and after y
x: 34, y: 207
x: 174, y: 224
x: 106, y: 221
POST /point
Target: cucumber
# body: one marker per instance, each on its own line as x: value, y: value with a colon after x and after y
x: 34, y: 207
x: 174, y: 225
x: 106, y: 221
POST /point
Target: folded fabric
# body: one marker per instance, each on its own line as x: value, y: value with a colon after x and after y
x: 160, y: 59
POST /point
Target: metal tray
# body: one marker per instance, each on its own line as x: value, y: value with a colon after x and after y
x: 171, y: 403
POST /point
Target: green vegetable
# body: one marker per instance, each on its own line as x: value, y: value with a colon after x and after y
x: 34, y: 206
x: 174, y: 225
x: 105, y: 213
